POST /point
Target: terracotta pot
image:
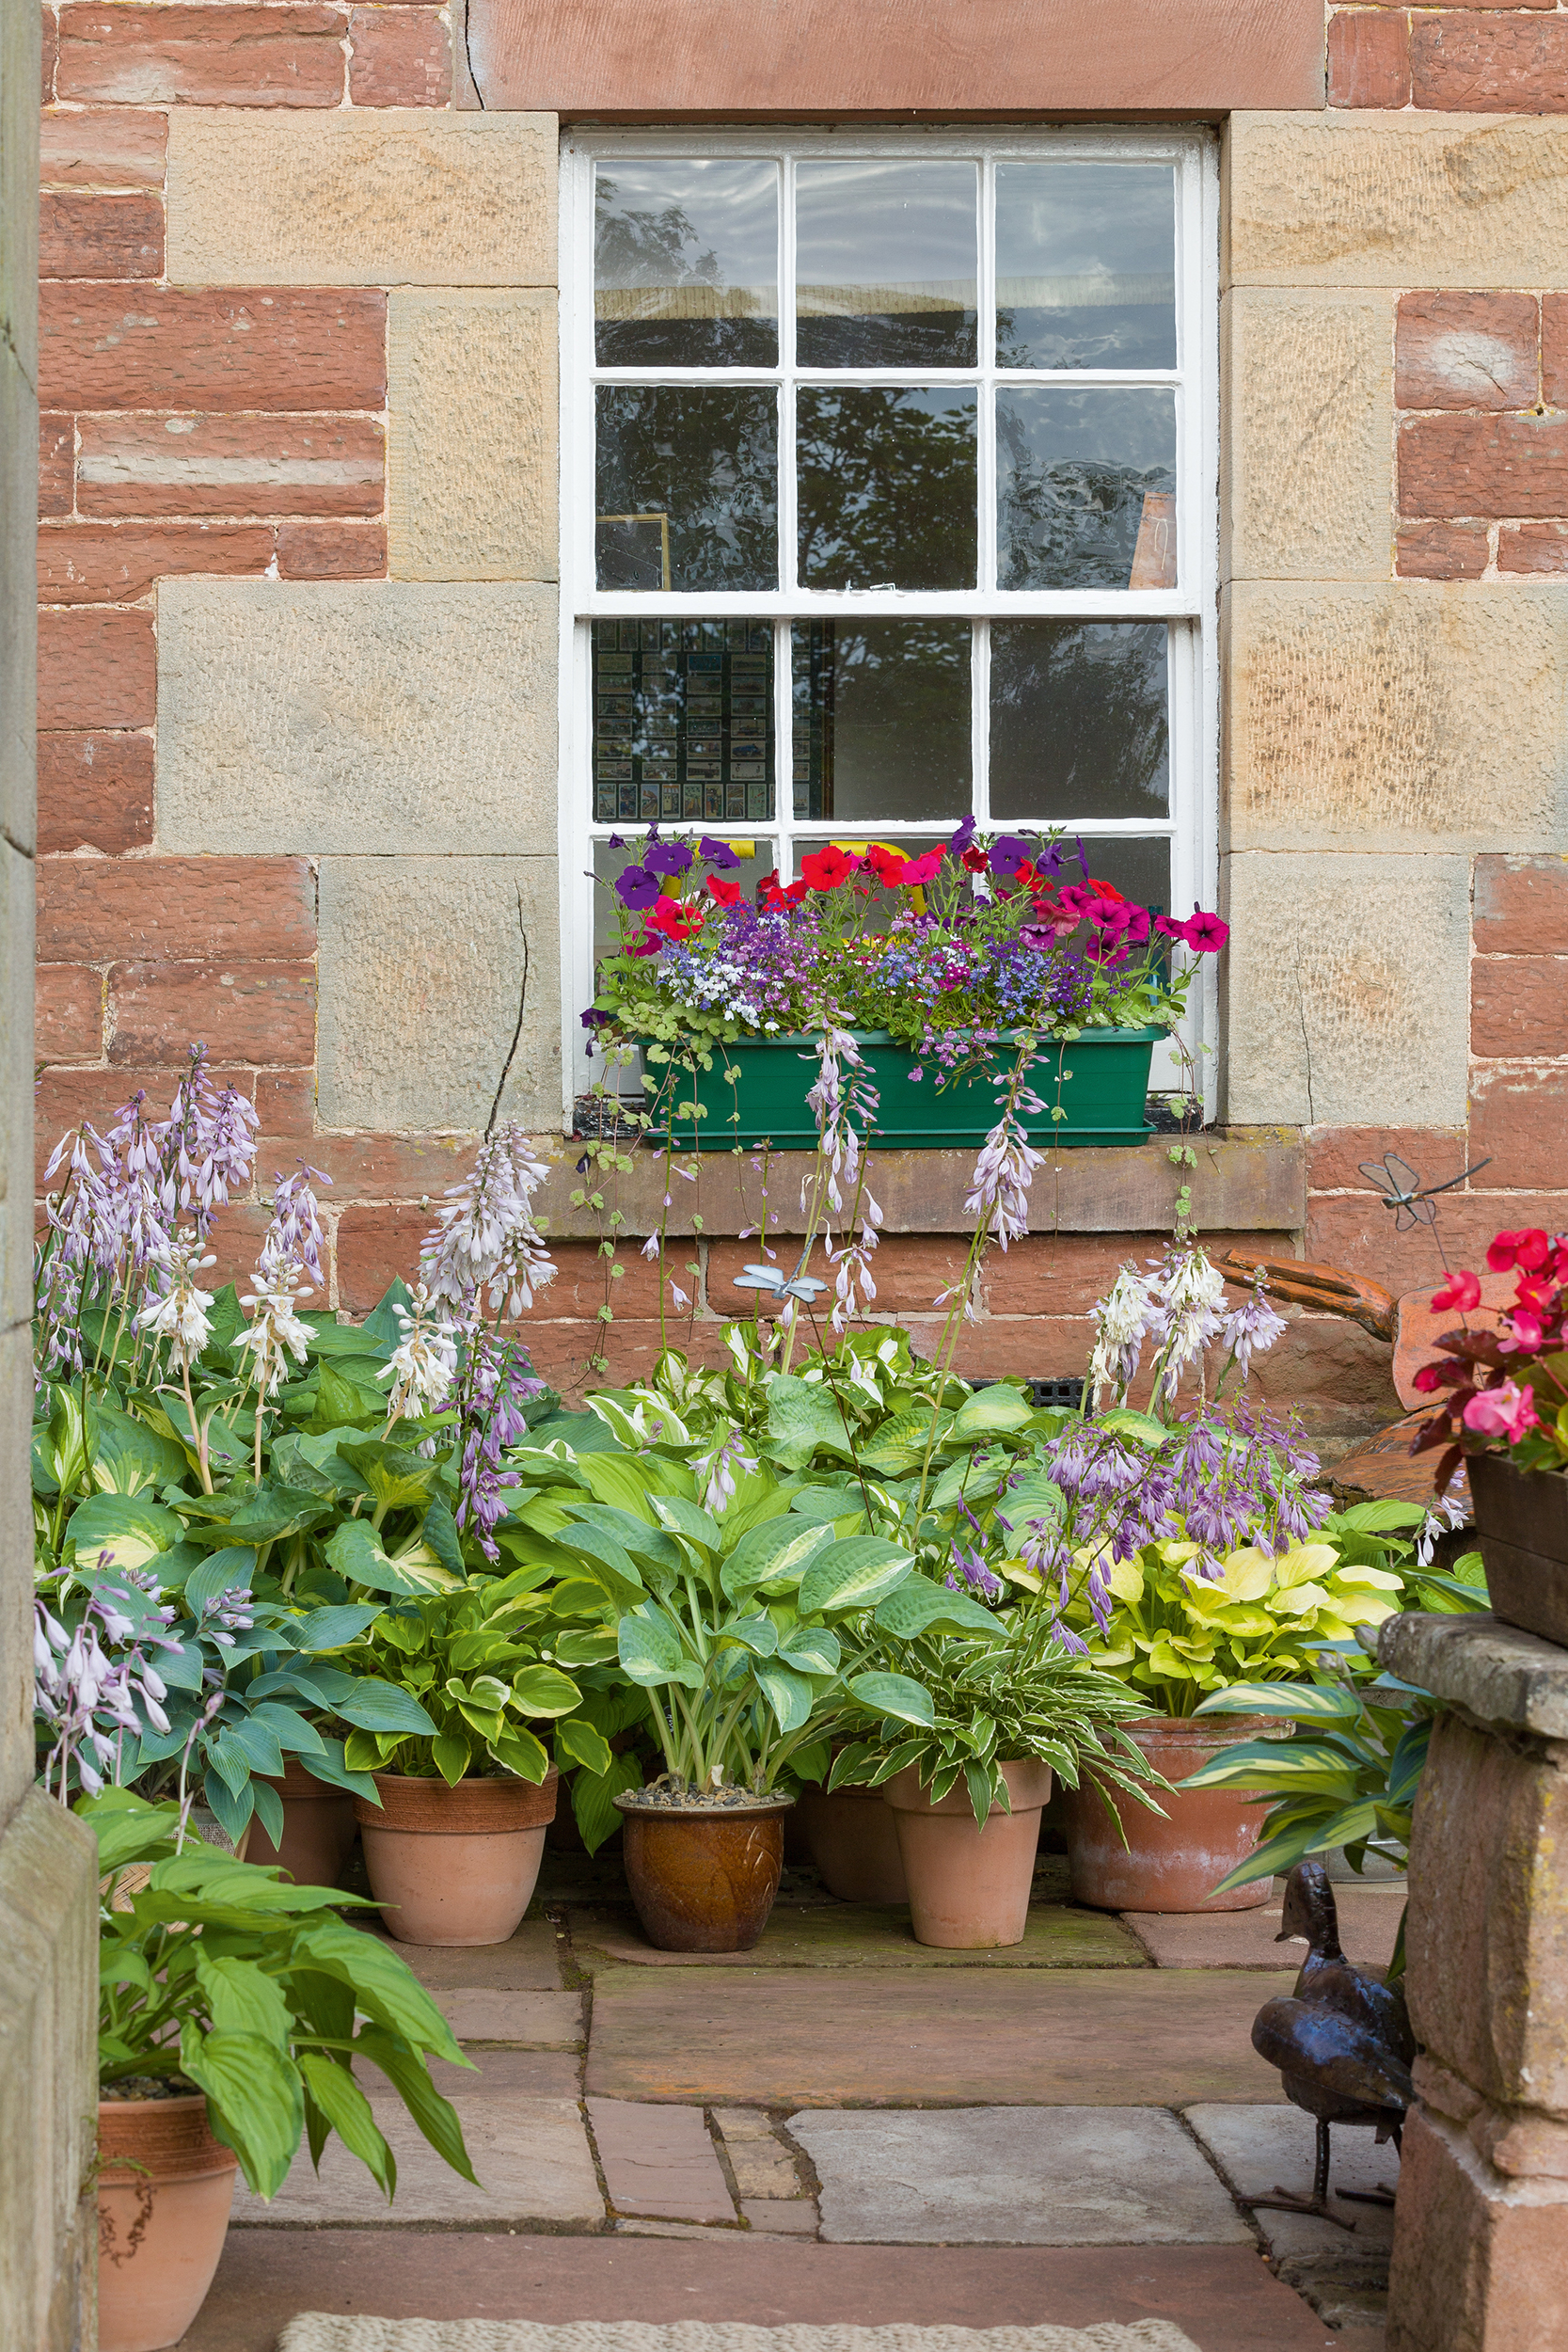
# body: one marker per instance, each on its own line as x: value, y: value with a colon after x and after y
x: 454, y: 1865
x: 1170, y: 1864
x: 969, y: 1881
x: 703, y: 1879
x: 853, y: 1841
x: 159, y: 2227
x: 1522, y: 1519
x: 318, y: 1828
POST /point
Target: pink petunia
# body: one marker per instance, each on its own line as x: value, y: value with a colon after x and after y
x: 1205, y: 935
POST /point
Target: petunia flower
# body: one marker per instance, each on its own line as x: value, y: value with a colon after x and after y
x: 890, y: 866
x: 918, y: 871
x: 672, y: 920
x: 1009, y: 854
x: 1076, y: 898
x: 827, y: 868
x: 718, y: 853
x: 1169, y: 927
x: 667, y: 857
x: 637, y: 888
x: 1205, y: 935
x: 727, y: 894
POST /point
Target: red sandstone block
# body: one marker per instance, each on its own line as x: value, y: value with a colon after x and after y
x: 362, y: 1168
x: 659, y: 2160
x: 50, y: 47
x: 562, y: 1352
x: 68, y: 1013
x: 374, y: 1245
x: 578, y: 1290
x: 57, y: 464
x: 67, y: 1096
x: 95, y: 792
x: 1467, y: 351
x: 1470, y: 464
x: 237, y: 1243
x: 203, y: 57
x: 100, y: 236
x: 1519, y: 1120
x: 152, y: 464
x: 97, y: 670
x: 332, y: 550
x: 1474, y: 2263
x: 1441, y: 550
x: 1554, y: 350
x: 244, y: 1011
x: 1533, y: 548
x: 205, y: 349
x: 286, y: 1102
x: 1355, y: 1231
x: 178, y: 908
x: 1520, y: 1005
x: 1334, y: 1153
x: 106, y: 147
x: 1521, y: 905
x: 399, y: 56
x: 1368, y: 59
x: 1489, y: 64
x: 113, y: 563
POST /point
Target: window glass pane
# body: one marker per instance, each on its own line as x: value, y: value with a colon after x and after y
x: 882, y: 719
x: 1079, y: 720
x: 1086, y: 488
x: 887, y: 487
x: 1138, y: 867
x: 687, y: 487
x: 757, y: 853
x: 685, y: 265
x: 1085, y: 266
x: 885, y: 269
x: 682, y: 722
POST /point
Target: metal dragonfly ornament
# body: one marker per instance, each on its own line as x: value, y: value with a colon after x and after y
x: 1399, y: 1186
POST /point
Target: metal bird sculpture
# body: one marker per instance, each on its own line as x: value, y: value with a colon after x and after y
x: 1342, y: 2042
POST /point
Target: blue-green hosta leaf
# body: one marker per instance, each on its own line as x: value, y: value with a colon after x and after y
x: 856, y: 1572
x: 542, y: 1691
x: 811, y: 1649
x: 825, y: 1505
x: 344, y: 2106
x: 331, y: 1767
x: 131, y: 1529
x: 356, y: 1551
x: 758, y: 1634
x: 254, y: 2094
x: 604, y: 1559
x: 1032, y: 1497
x: 989, y: 1412
x: 919, y: 1606
x: 638, y: 1536
x: 373, y: 1705
x: 334, y: 1628
x: 1298, y: 1702
x: 908, y: 1702
x: 651, y: 1652
x: 789, y: 1694
x: 243, y: 1998
x: 775, y: 1554
x: 231, y: 1570
x: 689, y: 1520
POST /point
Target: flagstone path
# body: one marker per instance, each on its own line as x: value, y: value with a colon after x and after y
x: 845, y: 2125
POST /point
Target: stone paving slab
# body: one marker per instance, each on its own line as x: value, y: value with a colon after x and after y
x: 1260, y: 2149
x: 659, y: 2160
x: 762, y: 2165
x: 1031, y: 2038
x: 1222, y: 2297
x: 532, y: 2156
x: 795, y: 2217
x: 1368, y: 1922
x: 542, y: 2021
x: 844, y: 1935
x: 536, y: 2074
x: 1016, y: 2176
x: 529, y: 1962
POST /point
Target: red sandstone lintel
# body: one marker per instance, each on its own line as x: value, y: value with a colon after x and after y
x: 742, y: 59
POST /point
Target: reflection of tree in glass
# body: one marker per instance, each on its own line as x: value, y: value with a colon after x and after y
x: 1138, y: 335
x: 887, y: 489
x: 662, y: 249
x: 1079, y: 719
x: 887, y: 339
x: 1068, y: 522
x: 709, y: 461
x: 892, y: 734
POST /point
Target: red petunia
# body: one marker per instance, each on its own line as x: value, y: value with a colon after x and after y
x: 889, y: 866
x: 674, y: 921
x: 728, y: 893
x: 1528, y: 1248
x: 825, y: 869
x: 977, y: 861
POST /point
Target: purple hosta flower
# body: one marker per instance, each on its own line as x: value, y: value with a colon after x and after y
x: 718, y: 853
x: 717, y: 1472
x: 637, y: 888
x: 1442, y: 1516
x: 89, y: 1700
x: 976, y: 1577
x: 999, y: 1187
x: 1189, y: 1291
x: 182, y: 1314
x: 294, y: 1237
x: 496, y: 1382
x: 845, y: 1111
x: 1252, y: 1328
x: 208, y: 1146
x: 667, y: 857
x: 79, y: 1249
x: 486, y: 1242
x: 1124, y: 1318
x: 423, y: 1365
x: 226, y: 1614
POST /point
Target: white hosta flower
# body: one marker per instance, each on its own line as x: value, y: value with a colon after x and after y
x: 275, y: 1330
x: 423, y: 1366
x: 1124, y: 1318
x: 182, y: 1314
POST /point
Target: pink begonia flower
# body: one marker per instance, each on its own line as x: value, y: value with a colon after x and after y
x: 1506, y: 1411
x: 1528, y: 1330
x: 1460, y: 1290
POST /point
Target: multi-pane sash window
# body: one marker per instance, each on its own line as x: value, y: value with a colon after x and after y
x: 889, y: 494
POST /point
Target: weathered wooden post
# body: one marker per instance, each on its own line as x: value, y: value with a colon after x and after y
x: 1481, y: 2231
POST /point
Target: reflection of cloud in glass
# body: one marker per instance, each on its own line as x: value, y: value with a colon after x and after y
x: 686, y: 263
x: 1085, y: 266
x: 885, y: 269
x: 1079, y: 720
x: 1079, y: 475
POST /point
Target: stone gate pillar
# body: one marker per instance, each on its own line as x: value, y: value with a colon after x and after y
x: 1481, y: 2231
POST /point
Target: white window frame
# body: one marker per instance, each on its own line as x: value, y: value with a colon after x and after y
x: 1191, y: 822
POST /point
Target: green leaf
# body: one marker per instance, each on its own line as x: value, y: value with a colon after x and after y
x: 381, y: 1980
x: 801, y: 1417
x: 254, y: 2094
x: 607, y: 1561
x: 689, y: 1520
x: 1123, y: 1422
x: 398, y: 1479
x: 435, y: 2117
x: 651, y: 1652
x: 920, y: 1606
x: 1300, y: 1702
x: 130, y: 1529
x: 453, y: 1755
x: 243, y: 1998
x: 335, y: 1628
x: 438, y: 1532
x: 541, y: 1690
x: 989, y: 1412
x: 127, y: 1457
x: 811, y: 1649
x: 894, y: 1694
x: 759, y: 1635
x: 356, y: 1553
x: 577, y: 1742
x: 229, y: 1570
x: 776, y: 1554
x: 381, y: 1325
x: 857, y: 1572
x: 789, y: 1695
x: 374, y: 1705
x: 129, y: 1828
x: 346, y: 2108
x: 343, y: 1403
x: 591, y: 1793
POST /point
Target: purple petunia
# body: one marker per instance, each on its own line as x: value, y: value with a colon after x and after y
x: 637, y: 887
x: 665, y: 857
x: 718, y: 853
x: 1008, y: 851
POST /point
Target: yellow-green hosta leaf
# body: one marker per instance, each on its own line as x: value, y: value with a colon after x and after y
x: 1300, y: 1600
x: 118, y: 1531
x: 1125, y: 1576
x: 1248, y: 1575
x: 541, y: 1690
x: 1365, y: 1580
x: 1305, y: 1563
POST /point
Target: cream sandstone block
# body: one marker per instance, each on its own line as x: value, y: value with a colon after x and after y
x: 1396, y: 716
x: 360, y: 196
x: 1306, y: 449
x: 430, y: 967
x: 302, y: 718
x: 1363, y: 199
x: 1349, y: 989
x: 472, y: 458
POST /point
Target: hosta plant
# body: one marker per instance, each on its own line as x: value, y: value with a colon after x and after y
x: 222, y: 1976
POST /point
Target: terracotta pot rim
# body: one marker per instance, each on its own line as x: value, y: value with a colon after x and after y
x: 633, y: 1800
x: 159, y: 2140
x: 956, y: 1802
x: 1216, y: 1730
x: 181, y: 2103
x: 481, y: 1804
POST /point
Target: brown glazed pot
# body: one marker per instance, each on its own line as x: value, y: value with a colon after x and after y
x: 161, y: 2227
x: 318, y: 1828
x: 455, y: 1866
x: 704, y: 1878
x: 969, y: 1882
x: 1170, y: 1864
x: 1522, y: 1519
x: 853, y: 1841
